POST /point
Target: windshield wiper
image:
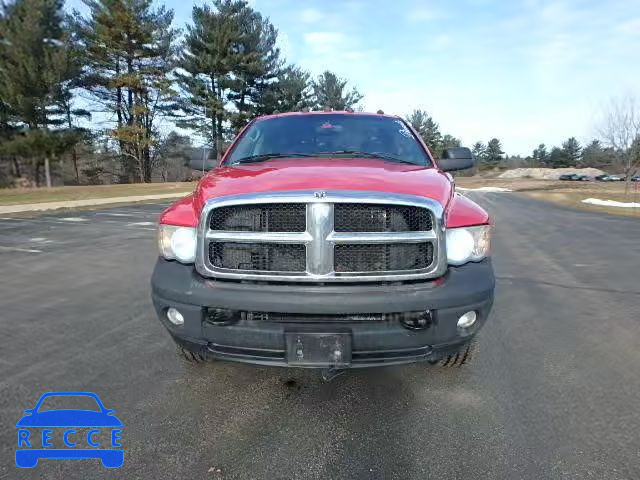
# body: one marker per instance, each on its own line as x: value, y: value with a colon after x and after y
x: 269, y: 156
x: 356, y: 153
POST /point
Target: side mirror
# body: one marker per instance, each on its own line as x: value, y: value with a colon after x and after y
x: 201, y: 159
x: 459, y: 158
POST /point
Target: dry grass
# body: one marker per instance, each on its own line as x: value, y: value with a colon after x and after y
x: 569, y: 194
x: 17, y: 196
x: 574, y: 199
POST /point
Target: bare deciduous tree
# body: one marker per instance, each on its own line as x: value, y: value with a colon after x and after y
x: 620, y: 130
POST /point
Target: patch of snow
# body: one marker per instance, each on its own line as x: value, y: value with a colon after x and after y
x: 611, y: 203
x: 74, y: 219
x: 484, y: 189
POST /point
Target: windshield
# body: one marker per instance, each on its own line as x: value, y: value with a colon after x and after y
x: 339, y: 135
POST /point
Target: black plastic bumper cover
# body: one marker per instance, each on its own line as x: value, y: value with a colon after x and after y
x: 465, y: 288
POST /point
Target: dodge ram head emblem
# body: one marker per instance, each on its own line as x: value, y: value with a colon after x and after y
x: 320, y: 194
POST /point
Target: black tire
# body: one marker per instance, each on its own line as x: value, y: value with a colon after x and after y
x: 458, y: 359
x: 189, y: 356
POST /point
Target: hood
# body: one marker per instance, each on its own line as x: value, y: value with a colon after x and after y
x: 325, y: 174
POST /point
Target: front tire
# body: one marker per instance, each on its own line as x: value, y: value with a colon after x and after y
x: 189, y: 356
x: 457, y: 359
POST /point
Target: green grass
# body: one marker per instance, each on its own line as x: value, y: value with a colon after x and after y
x: 18, y: 196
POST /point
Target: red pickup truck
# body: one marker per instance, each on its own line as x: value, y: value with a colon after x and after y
x: 329, y: 240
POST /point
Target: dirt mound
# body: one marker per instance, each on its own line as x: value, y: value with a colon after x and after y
x: 548, y: 173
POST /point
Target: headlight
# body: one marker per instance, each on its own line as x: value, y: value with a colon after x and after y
x: 468, y: 244
x: 177, y: 243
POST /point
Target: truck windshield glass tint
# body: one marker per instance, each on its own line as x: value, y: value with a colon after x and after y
x: 322, y: 135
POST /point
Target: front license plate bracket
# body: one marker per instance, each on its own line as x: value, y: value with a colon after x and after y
x: 315, y: 349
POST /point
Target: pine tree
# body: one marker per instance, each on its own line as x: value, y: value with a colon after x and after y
x: 540, y: 156
x: 331, y: 92
x: 291, y: 92
x: 130, y: 54
x: 449, y: 141
x: 493, y: 154
x: 596, y: 155
x: 36, y: 72
x: 427, y: 128
x: 559, y: 158
x: 573, y: 151
x: 211, y: 53
x: 258, y: 61
x: 479, y: 151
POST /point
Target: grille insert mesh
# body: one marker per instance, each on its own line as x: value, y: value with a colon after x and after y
x: 382, y: 257
x: 285, y: 217
x: 271, y: 257
x: 355, y: 217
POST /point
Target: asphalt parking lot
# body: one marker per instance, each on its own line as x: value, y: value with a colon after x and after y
x: 553, y: 392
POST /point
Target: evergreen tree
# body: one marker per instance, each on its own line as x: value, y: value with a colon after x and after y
x: 230, y: 59
x: 559, y: 158
x: 479, y: 151
x: 130, y: 54
x: 449, y: 141
x: 493, y: 154
x: 292, y: 92
x: 540, y: 156
x: 36, y: 69
x: 258, y: 62
x: 331, y: 92
x: 573, y: 151
x: 427, y: 128
x: 596, y: 155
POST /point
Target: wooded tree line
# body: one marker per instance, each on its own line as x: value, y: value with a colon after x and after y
x: 618, y: 148
x: 126, y: 71
x: 91, y: 98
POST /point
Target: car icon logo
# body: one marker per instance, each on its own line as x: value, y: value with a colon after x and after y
x: 67, y: 433
x: 320, y: 194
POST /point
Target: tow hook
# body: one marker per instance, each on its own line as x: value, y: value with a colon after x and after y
x: 330, y: 373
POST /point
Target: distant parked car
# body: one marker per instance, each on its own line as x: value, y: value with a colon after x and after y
x: 569, y: 176
x: 635, y: 178
x: 582, y: 178
x: 609, y: 178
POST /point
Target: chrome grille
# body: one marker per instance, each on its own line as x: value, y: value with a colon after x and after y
x: 353, y: 217
x: 260, y: 218
x: 334, y: 236
x: 383, y: 257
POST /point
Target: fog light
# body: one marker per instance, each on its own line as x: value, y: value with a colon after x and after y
x: 175, y: 316
x: 416, y: 320
x: 221, y: 316
x: 468, y: 319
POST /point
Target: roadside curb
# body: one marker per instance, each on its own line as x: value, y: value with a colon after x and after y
x: 47, y: 206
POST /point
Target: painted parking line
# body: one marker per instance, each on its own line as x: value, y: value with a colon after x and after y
x: 18, y: 249
x: 40, y: 240
x: 116, y: 214
x: 141, y: 224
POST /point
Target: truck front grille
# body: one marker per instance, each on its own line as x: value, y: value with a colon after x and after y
x: 353, y: 217
x: 322, y: 237
x: 383, y: 257
x: 262, y: 257
x: 260, y: 218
